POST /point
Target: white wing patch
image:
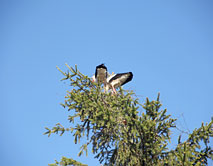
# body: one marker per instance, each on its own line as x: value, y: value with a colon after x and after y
x: 110, y: 76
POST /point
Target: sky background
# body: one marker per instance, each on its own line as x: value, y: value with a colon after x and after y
x: 168, y: 45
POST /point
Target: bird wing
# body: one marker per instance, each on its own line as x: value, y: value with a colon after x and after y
x: 110, y: 77
x: 121, y: 78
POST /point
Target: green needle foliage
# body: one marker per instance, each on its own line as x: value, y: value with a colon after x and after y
x: 124, y: 132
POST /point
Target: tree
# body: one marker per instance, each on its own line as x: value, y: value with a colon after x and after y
x: 124, y: 132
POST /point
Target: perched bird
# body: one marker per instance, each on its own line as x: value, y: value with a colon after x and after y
x: 110, y: 81
x: 101, y: 74
x: 116, y: 80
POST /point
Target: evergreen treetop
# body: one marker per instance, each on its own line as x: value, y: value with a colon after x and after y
x: 124, y: 132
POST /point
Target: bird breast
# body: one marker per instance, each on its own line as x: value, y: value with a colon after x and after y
x: 101, y: 77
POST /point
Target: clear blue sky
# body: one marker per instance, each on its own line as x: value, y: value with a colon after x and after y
x: 168, y: 45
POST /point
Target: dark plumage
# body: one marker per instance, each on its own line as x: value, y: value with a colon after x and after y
x: 118, y: 80
x: 101, y: 74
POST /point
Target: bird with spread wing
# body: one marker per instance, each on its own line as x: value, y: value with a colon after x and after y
x: 112, y: 81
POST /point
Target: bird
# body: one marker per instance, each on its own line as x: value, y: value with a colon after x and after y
x: 109, y: 76
x: 100, y: 74
x: 95, y: 80
x: 116, y: 80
